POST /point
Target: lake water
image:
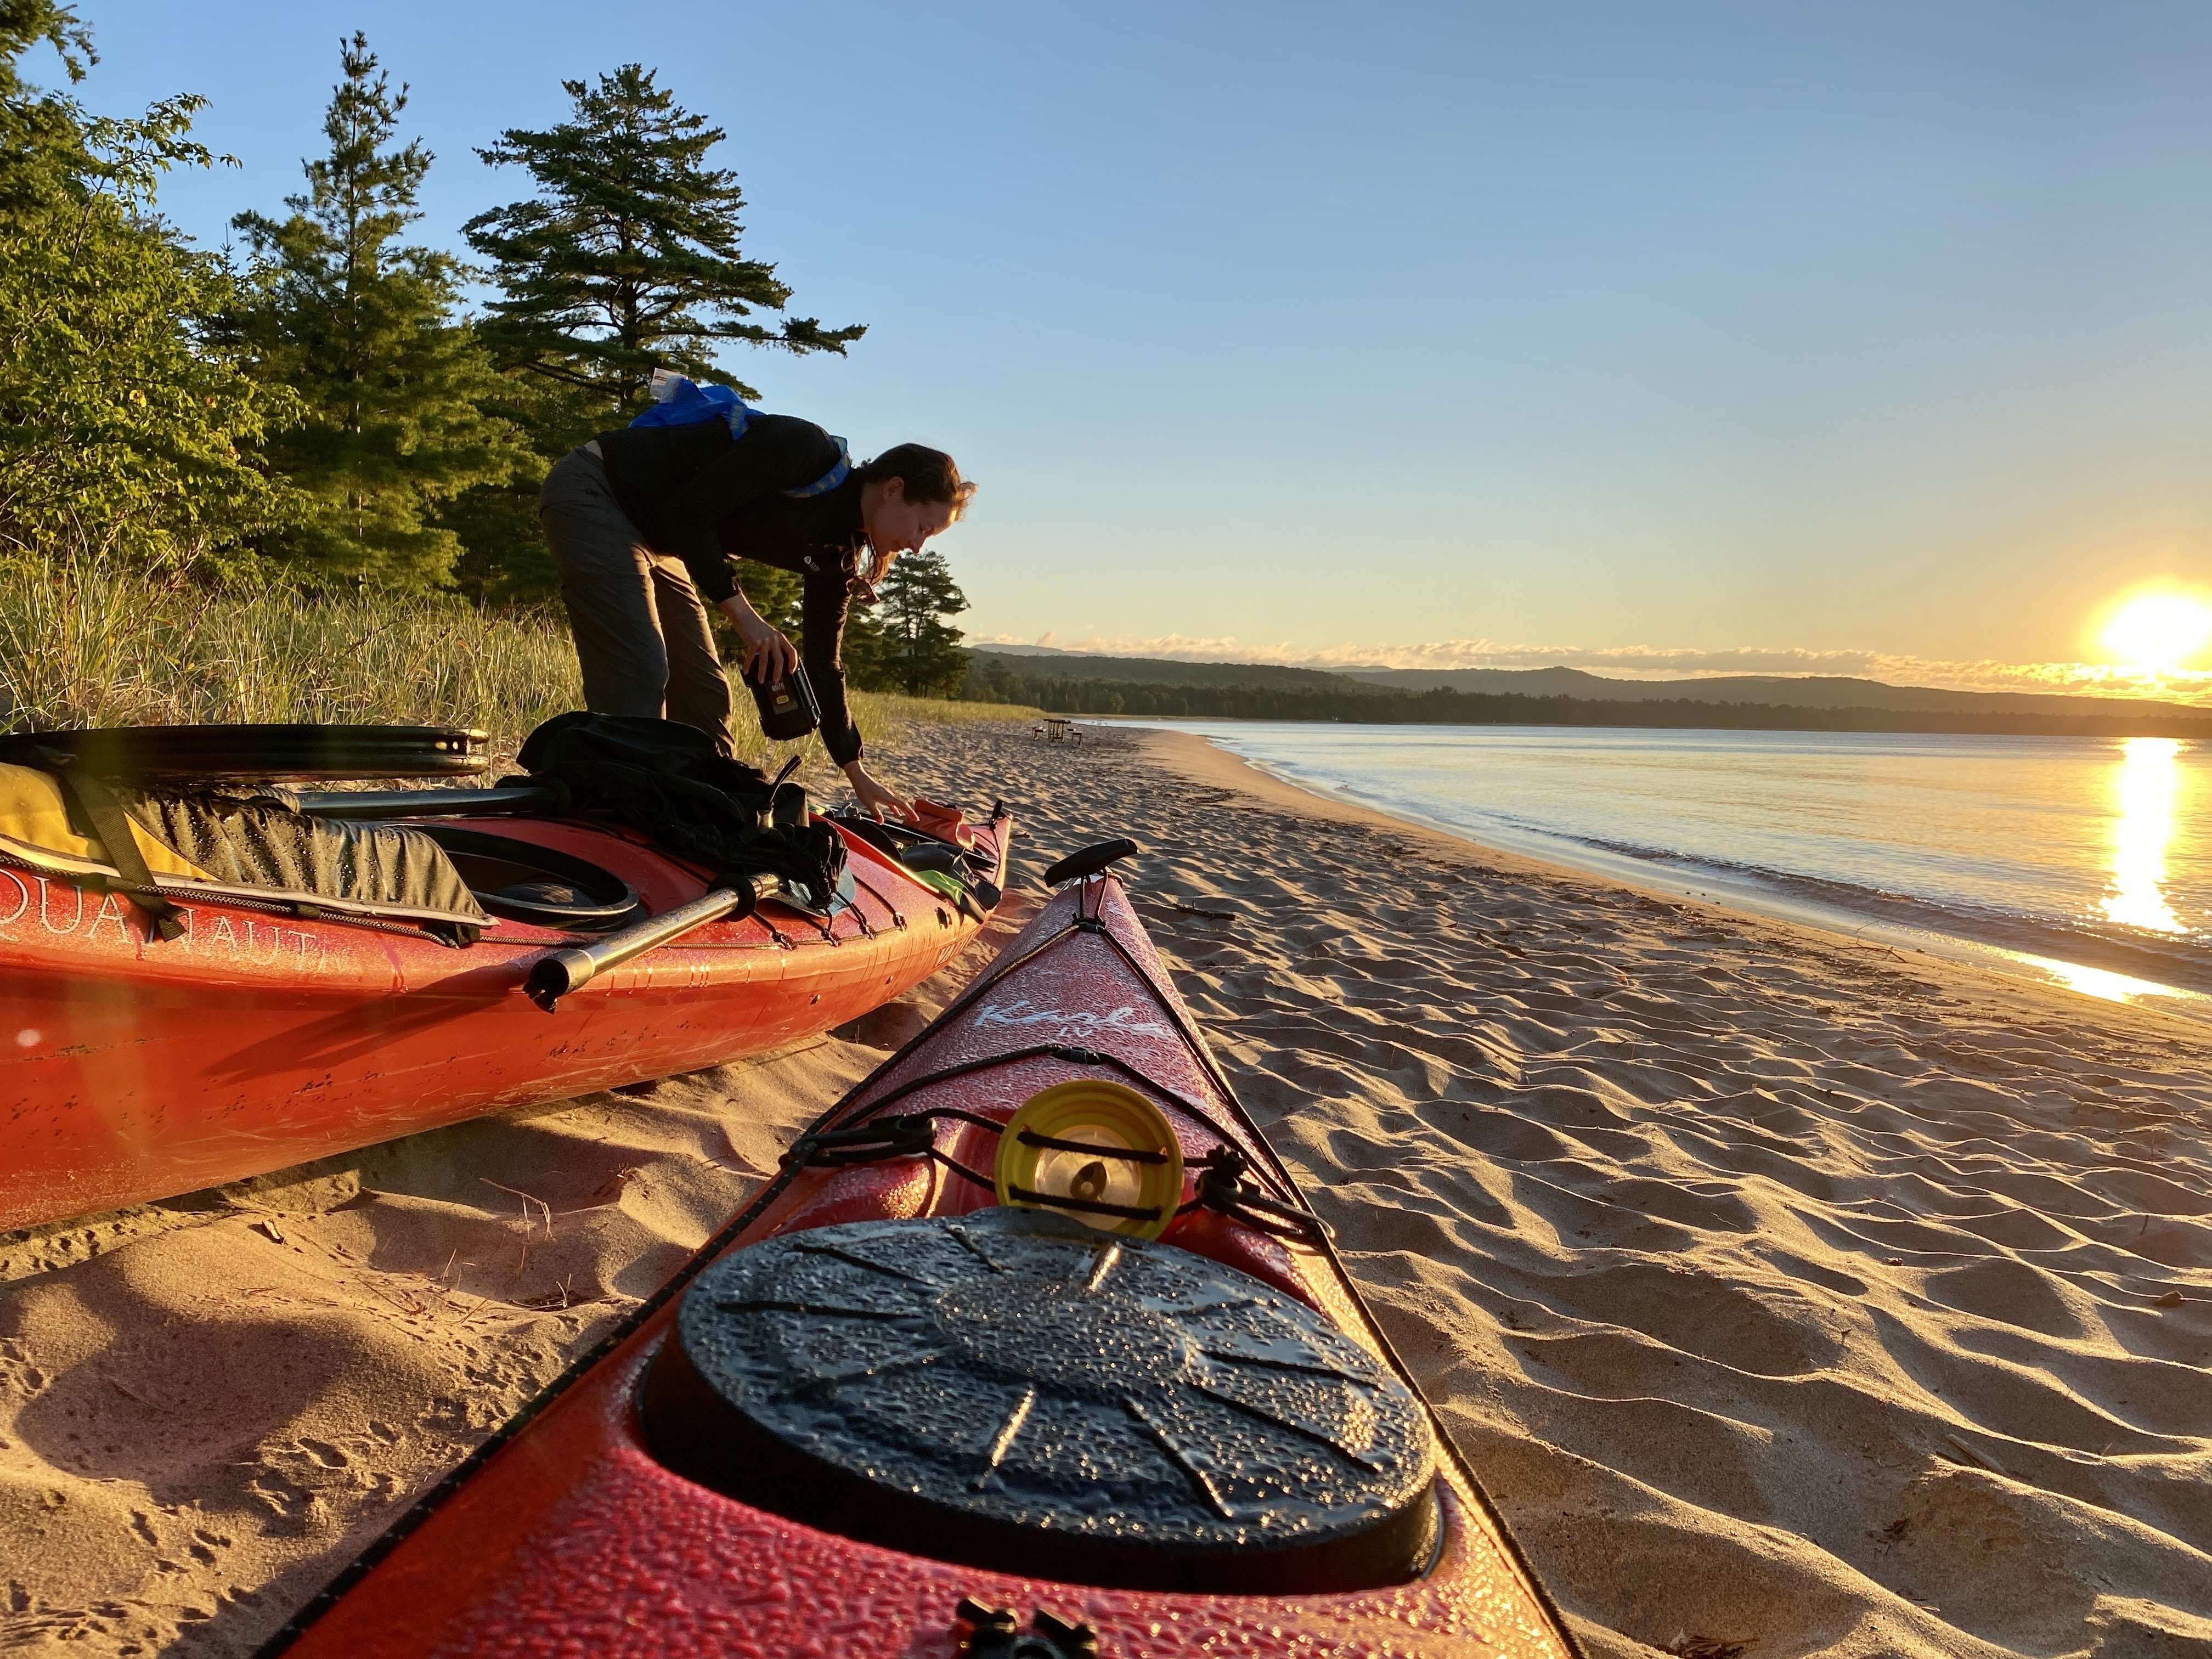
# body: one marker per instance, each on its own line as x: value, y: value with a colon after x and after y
x: 2085, y: 860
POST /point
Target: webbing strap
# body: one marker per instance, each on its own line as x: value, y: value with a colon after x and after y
x: 1127, y: 1155
x: 111, y: 824
x: 1084, y: 1205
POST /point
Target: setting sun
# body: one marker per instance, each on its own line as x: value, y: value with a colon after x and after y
x: 2158, y: 632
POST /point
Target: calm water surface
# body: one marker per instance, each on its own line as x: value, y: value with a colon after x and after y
x: 2093, y: 853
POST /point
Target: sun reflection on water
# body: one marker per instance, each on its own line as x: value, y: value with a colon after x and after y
x: 2105, y: 985
x: 2145, y: 791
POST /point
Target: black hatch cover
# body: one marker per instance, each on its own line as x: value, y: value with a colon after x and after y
x: 1014, y: 1390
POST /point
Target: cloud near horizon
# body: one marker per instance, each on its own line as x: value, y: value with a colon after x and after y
x: 1645, y: 662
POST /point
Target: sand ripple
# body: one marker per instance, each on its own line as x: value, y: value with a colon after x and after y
x: 1787, y: 1292
x: 1792, y: 1295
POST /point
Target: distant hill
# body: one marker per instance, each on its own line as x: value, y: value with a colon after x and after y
x: 1074, y: 682
x: 1815, y: 691
x: 1768, y: 690
x: 1030, y: 662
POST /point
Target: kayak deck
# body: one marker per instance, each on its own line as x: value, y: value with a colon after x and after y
x: 566, y: 1534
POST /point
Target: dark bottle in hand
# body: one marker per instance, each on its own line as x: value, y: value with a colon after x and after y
x: 787, y: 707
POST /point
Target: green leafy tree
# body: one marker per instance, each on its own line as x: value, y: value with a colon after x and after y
x: 906, y: 645
x: 626, y: 258
x: 396, y: 390
x: 127, y: 427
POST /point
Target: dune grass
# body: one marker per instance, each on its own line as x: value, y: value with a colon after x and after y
x: 85, y: 642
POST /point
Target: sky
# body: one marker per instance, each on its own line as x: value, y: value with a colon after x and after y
x: 1870, y: 337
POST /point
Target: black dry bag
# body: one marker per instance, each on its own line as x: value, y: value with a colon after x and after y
x: 787, y: 708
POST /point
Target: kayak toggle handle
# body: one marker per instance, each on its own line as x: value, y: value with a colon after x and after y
x: 1221, y: 1186
x: 1091, y: 860
x: 997, y: 1634
x: 557, y: 973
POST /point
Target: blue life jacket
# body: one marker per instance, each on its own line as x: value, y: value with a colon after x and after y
x: 681, y: 402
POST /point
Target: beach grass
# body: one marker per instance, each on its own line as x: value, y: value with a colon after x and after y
x: 84, y: 642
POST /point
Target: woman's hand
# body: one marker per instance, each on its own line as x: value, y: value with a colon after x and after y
x: 875, y: 799
x: 768, y: 657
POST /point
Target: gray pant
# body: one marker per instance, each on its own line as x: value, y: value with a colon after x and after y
x: 642, y: 636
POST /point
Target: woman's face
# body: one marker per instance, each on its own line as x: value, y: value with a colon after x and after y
x: 894, y: 524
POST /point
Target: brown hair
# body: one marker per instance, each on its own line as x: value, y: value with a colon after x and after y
x: 930, y: 475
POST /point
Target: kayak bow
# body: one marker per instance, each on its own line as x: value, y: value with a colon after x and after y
x: 1033, y: 1348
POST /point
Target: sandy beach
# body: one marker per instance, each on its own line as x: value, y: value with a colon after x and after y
x: 1792, y: 1296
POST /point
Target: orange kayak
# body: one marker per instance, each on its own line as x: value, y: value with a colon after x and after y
x: 1034, y: 1349
x: 266, y: 1031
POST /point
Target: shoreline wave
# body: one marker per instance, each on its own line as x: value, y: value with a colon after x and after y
x: 2182, y: 962
x: 2110, y: 965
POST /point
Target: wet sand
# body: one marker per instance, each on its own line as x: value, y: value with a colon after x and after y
x: 1792, y: 1296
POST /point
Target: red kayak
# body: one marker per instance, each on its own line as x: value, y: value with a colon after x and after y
x: 229, y: 1031
x: 1033, y: 1349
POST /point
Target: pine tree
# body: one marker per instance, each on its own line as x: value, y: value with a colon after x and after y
x: 395, y: 389
x: 989, y: 679
x: 777, y: 595
x: 504, y: 556
x: 907, y: 646
x: 627, y: 260
x: 125, y: 430
x: 43, y: 152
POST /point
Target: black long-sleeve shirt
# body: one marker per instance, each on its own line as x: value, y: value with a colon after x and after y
x: 704, y: 496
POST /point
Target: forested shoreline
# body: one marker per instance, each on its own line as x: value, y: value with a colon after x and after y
x: 992, y: 680
x: 327, y: 407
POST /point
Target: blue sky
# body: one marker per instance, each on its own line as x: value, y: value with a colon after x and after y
x: 1868, y: 337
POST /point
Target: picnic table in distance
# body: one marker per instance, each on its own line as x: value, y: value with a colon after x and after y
x: 1057, y: 728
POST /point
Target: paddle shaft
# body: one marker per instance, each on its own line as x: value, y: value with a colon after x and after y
x: 429, y: 803
x: 555, y: 975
